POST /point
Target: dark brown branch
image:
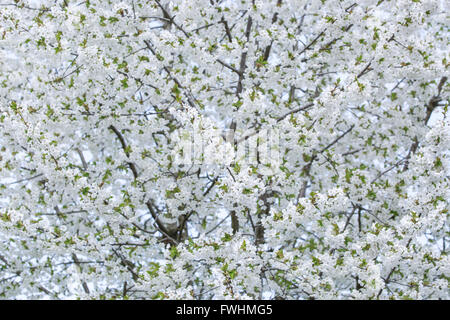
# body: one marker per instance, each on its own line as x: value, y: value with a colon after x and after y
x: 432, y: 104
x: 218, y: 224
x: 351, y: 152
x: 158, y: 222
x: 365, y: 70
x: 227, y: 29
x: 295, y: 111
x: 125, y: 149
x: 337, y: 139
x: 242, y: 64
x: 434, y: 101
x: 128, y: 264
x: 121, y: 139
x: 44, y: 9
x: 83, y: 283
x: 388, y: 170
x: 174, y: 79
x: 26, y: 179
x: 386, y: 281
x: 291, y: 94
x: 211, y: 186
x: 2, y: 258
x: 269, y: 47
x: 83, y: 160
x: 203, y: 27
x: 234, y: 222
x: 41, y: 288
x: 348, y: 219
x: 228, y: 66
x: 312, y: 42
x: 307, y: 168
x: 171, y: 19
x: 267, y: 51
x: 181, y: 235
x: 350, y: 7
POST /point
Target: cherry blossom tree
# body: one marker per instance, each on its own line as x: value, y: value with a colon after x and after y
x: 224, y: 149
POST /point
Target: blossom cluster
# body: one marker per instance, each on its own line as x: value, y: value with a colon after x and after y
x: 208, y: 149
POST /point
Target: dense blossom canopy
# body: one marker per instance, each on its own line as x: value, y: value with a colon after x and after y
x: 224, y: 149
